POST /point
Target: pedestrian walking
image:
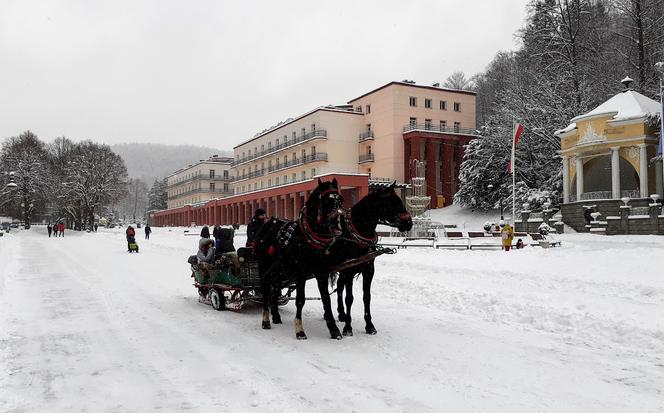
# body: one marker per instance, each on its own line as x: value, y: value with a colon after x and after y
x: 96, y: 227
x: 61, y: 227
x: 49, y: 229
x: 55, y: 230
x: 148, y: 231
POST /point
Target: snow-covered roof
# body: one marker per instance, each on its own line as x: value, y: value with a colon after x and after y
x: 626, y: 105
x: 569, y: 128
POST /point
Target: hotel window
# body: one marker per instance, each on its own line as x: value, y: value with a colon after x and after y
x: 255, y: 150
x: 427, y: 124
x: 369, y: 172
x: 413, y: 101
x: 457, y: 126
x: 285, y: 178
x: 358, y: 109
x: 269, y: 164
x: 211, y: 173
x: 276, y: 181
x: 368, y: 127
x: 443, y: 105
x: 294, y: 156
x: 313, y: 151
x: 369, y: 150
x: 412, y: 122
x: 304, y: 131
x: 457, y: 107
x: 211, y: 186
x: 313, y: 172
x: 269, y: 146
x: 277, y: 141
x: 277, y: 162
x: 427, y: 103
x: 294, y: 136
x: 262, y: 166
x: 226, y: 173
x: 285, y: 139
x: 304, y: 155
x: 269, y: 182
x: 368, y: 109
x: 294, y: 177
x: 303, y: 174
x: 244, y: 155
x: 443, y: 125
x: 225, y: 187
x: 262, y: 148
x: 313, y: 127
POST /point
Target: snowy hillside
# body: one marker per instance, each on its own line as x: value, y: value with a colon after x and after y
x: 87, y: 327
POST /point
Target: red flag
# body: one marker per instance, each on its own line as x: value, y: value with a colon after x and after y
x: 518, y: 130
x: 517, y: 133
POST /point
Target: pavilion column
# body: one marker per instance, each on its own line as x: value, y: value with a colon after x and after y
x: 565, y: 179
x: 615, y: 172
x: 579, y: 178
x: 430, y: 173
x: 643, y: 170
x: 288, y: 214
x: 297, y: 205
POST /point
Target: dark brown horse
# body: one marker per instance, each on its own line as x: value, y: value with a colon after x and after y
x: 382, y: 206
x: 297, y: 251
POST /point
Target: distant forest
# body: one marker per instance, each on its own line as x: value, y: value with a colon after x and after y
x: 150, y: 161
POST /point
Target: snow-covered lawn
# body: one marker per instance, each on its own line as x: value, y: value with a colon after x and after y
x: 85, y: 326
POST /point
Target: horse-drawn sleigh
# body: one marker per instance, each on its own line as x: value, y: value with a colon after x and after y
x: 326, y: 239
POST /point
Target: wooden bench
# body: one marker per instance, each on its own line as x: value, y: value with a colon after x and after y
x: 453, y: 240
x: 476, y: 234
x: 542, y: 240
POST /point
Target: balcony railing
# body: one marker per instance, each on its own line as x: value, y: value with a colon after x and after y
x: 318, y: 133
x: 250, y: 175
x: 300, y: 179
x: 440, y: 129
x: 365, y: 136
x: 602, y: 195
x: 369, y: 157
x: 202, y: 177
x: 202, y: 190
x: 318, y: 156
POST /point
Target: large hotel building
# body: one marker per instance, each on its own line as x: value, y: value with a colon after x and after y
x: 373, y: 138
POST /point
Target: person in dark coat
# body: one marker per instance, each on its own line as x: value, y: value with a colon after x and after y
x: 148, y: 231
x: 205, y: 232
x: 49, y: 229
x: 96, y: 226
x: 131, y: 234
x: 256, y: 222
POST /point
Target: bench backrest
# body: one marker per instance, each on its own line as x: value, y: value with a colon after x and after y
x: 454, y: 234
x: 536, y: 236
x: 475, y: 234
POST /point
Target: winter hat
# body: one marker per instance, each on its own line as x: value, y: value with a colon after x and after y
x: 204, y: 242
x: 259, y: 211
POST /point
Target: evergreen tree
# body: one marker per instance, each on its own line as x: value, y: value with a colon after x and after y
x: 157, y: 196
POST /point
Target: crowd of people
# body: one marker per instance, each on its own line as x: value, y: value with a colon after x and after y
x: 57, y: 229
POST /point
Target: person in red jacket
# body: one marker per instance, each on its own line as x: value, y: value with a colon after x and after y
x: 131, y: 233
x: 61, y: 226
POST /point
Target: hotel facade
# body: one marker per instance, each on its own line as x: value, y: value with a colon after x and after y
x: 373, y: 138
x: 205, y: 180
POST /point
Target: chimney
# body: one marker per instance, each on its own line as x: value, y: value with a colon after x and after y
x: 626, y: 82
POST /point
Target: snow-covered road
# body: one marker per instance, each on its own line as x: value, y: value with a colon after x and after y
x: 85, y: 326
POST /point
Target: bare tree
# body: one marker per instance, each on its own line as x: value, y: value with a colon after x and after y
x: 458, y: 81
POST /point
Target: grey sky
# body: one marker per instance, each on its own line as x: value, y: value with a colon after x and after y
x: 215, y: 73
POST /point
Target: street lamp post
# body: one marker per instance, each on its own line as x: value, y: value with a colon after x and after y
x: 660, y: 68
x: 500, y: 201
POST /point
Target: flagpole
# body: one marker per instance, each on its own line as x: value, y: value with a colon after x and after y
x: 513, y: 174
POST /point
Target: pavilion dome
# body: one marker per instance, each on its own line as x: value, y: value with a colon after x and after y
x: 626, y: 105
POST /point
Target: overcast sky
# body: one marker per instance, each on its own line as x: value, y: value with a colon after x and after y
x: 214, y: 73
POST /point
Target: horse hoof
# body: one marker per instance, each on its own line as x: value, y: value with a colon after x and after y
x: 336, y: 334
x: 348, y: 331
x: 276, y: 320
x: 301, y: 336
x: 371, y: 330
x: 266, y: 325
